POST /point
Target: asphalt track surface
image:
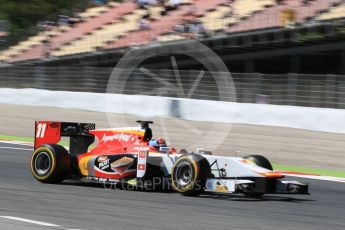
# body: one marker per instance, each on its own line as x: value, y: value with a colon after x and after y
x: 76, y: 206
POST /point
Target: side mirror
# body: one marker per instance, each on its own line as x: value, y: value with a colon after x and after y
x: 165, y: 149
x: 202, y: 151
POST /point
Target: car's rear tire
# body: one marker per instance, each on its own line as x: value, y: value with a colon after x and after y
x: 189, y: 174
x: 50, y: 163
x: 259, y: 161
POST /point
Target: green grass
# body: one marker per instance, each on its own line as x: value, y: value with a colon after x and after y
x: 27, y: 139
x: 324, y: 172
x: 14, y: 138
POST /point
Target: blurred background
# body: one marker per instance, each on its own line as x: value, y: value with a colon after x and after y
x: 280, y: 52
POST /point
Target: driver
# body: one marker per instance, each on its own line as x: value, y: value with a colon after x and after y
x: 157, y: 143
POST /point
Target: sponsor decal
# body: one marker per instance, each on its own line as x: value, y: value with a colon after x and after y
x: 103, y: 163
x: 209, y: 185
x: 140, y: 148
x: 122, y: 164
x: 116, y: 164
x: 142, y: 154
x: 141, y: 166
x: 221, y: 187
x: 100, y: 179
x: 118, y: 136
x: 132, y: 181
x: 102, y: 158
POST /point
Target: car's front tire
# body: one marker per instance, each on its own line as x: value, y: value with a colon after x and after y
x: 259, y: 161
x: 189, y: 174
x: 263, y: 162
x: 50, y: 163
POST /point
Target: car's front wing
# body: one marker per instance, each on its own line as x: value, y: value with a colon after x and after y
x: 256, y: 186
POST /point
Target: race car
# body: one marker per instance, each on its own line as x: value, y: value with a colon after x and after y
x: 131, y: 156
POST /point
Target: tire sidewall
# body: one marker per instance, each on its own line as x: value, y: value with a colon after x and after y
x: 52, y: 159
x: 195, y: 169
x: 201, y: 170
x: 60, y: 166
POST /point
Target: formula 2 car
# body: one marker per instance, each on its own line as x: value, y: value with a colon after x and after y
x: 132, y: 156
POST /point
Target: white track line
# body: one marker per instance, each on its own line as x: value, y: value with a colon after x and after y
x: 316, y: 177
x: 30, y: 221
x: 15, y: 148
x: 16, y: 142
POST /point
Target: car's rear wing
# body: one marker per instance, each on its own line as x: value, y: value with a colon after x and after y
x: 50, y: 132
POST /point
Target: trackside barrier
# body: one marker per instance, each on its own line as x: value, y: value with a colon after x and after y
x: 317, y: 119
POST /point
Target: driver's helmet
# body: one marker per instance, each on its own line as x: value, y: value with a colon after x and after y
x: 157, y: 143
x: 153, y: 143
x: 161, y: 142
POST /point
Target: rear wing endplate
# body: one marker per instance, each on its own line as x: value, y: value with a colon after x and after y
x: 50, y: 132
